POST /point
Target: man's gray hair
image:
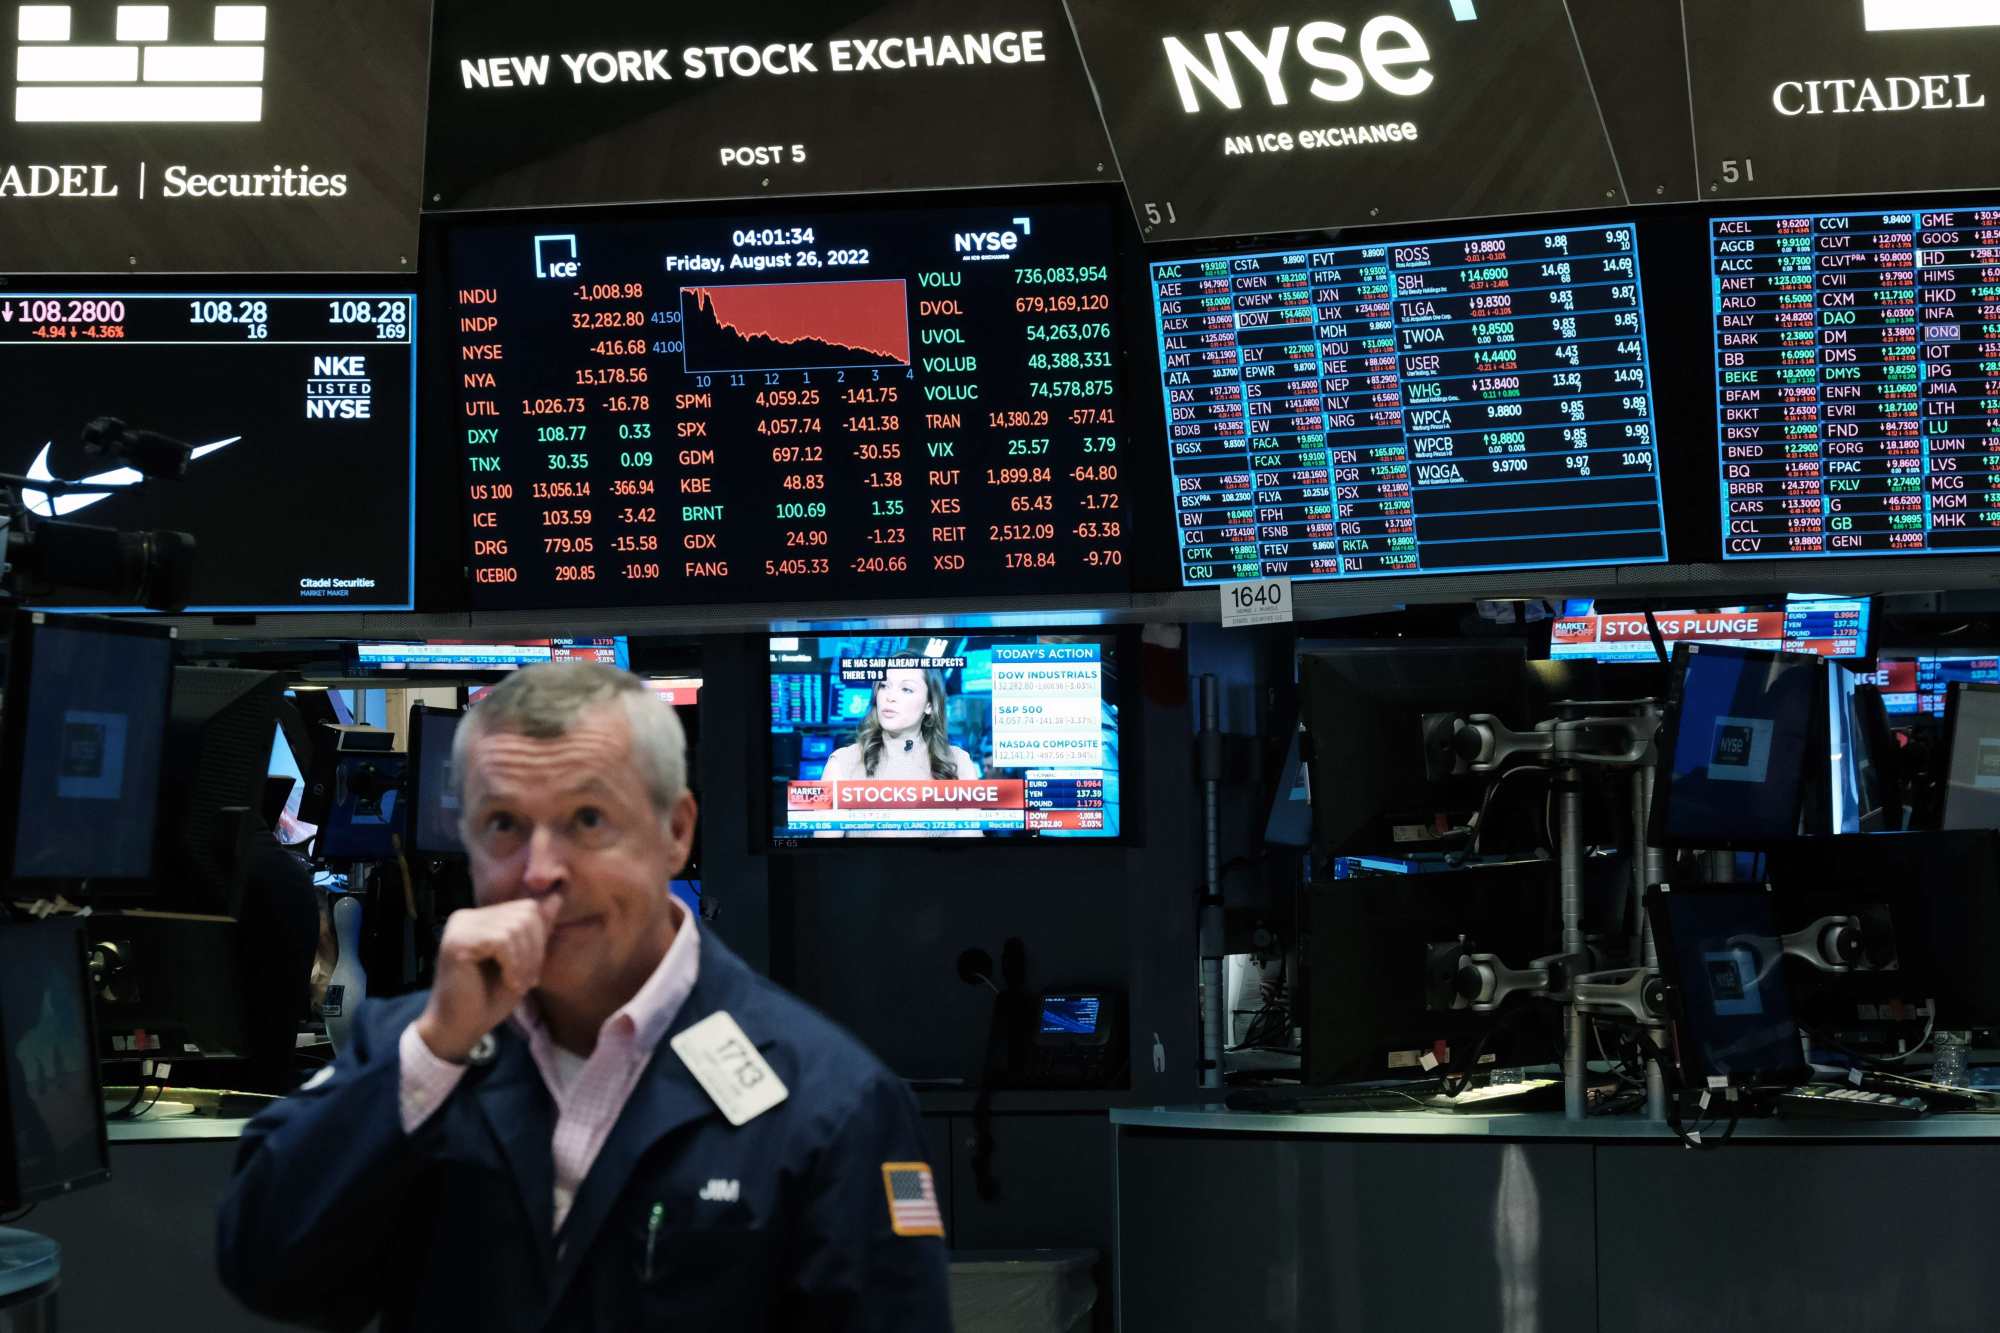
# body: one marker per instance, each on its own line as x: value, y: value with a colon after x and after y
x: 545, y: 701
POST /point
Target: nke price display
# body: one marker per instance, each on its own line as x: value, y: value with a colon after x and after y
x: 1858, y: 382
x: 916, y: 402
x: 1468, y: 403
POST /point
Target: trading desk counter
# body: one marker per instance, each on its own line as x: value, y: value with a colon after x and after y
x: 1373, y: 1221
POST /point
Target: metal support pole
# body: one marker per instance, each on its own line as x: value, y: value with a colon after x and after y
x: 1653, y: 861
x: 1642, y: 805
x: 1656, y: 1079
x: 1569, y: 806
x: 1214, y: 1005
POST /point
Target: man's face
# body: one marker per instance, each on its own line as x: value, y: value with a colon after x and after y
x: 573, y: 815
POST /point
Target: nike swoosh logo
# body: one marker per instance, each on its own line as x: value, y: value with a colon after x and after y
x: 40, y: 502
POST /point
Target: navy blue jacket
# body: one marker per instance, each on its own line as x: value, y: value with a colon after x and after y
x: 336, y: 1216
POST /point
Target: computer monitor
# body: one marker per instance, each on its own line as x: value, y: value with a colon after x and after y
x: 1373, y: 764
x: 80, y: 744
x: 1723, y: 962
x: 432, y: 802
x: 1734, y: 747
x: 218, y: 753
x: 52, y: 1136
x: 1972, y: 757
x: 173, y: 987
x: 1867, y: 782
x: 1379, y: 956
x: 1289, y: 821
x: 1929, y: 906
x: 365, y: 819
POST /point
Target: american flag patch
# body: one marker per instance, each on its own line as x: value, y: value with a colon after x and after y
x: 913, y: 1202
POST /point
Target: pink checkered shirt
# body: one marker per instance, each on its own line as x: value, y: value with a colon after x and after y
x: 589, y: 1093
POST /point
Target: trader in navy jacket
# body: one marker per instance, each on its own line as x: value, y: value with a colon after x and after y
x: 549, y: 1139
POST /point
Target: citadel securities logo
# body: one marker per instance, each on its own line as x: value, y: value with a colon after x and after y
x: 1895, y: 92
x: 143, y: 77
x: 194, y: 136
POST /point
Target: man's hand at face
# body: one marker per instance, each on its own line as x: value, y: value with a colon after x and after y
x: 488, y: 961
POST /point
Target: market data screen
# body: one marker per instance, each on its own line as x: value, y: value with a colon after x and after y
x: 918, y: 402
x: 1912, y: 686
x: 300, y: 410
x: 1858, y: 382
x: 1471, y: 403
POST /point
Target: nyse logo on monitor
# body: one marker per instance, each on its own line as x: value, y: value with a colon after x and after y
x: 1741, y: 751
x: 154, y: 70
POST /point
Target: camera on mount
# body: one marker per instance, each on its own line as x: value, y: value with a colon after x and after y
x: 43, y: 557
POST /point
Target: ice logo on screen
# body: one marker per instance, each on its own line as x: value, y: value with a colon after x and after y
x: 1741, y: 749
x: 91, y: 765
x: 143, y: 77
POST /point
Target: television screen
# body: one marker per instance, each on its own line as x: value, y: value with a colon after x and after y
x: 445, y: 655
x: 1466, y: 403
x: 789, y: 405
x: 1835, y: 627
x: 1917, y: 686
x: 944, y: 735
x: 301, y: 410
x: 1851, y: 401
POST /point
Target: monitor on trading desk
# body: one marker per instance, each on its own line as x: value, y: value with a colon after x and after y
x: 1734, y: 747
x: 218, y: 754
x: 366, y: 818
x: 1928, y: 905
x: 1972, y: 757
x: 1722, y: 959
x: 433, y: 799
x: 1869, y: 779
x: 1380, y: 954
x: 52, y: 1136
x: 1373, y: 767
x: 80, y: 748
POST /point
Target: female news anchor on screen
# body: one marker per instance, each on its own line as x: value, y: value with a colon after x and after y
x: 905, y: 735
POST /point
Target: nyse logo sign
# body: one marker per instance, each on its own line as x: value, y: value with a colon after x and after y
x: 145, y: 76
x: 1392, y: 51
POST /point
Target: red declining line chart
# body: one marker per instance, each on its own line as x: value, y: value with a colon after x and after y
x: 795, y: 326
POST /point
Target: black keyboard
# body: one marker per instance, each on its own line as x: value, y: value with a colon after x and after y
x: 1825, y: 1102
x: 1411, y: 1096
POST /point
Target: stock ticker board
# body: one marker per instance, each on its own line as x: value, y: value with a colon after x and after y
x: 1462, y: 404
x: 917, y: 402
x: 1858, y: 382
